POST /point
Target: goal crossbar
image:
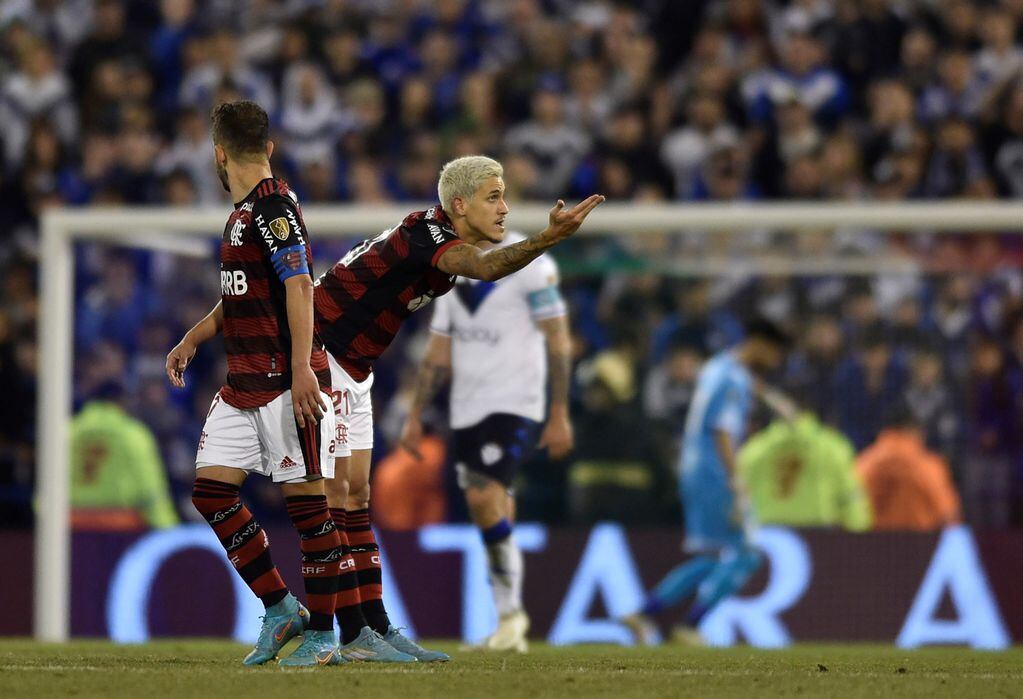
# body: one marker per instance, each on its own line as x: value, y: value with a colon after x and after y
x: 160, y: 228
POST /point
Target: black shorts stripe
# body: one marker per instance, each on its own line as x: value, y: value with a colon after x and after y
x: 309, y: 442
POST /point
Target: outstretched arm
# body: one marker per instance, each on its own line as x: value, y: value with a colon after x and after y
x: 491, y: 265
x: 181, y: 355
x: 433, y: 373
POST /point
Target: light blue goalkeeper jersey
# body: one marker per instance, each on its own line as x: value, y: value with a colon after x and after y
x: 722, y: 402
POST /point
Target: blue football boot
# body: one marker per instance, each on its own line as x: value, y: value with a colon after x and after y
x: 407, y: 645
x: 318, y: 648
x: 371, y: 647
x: 283, y: 621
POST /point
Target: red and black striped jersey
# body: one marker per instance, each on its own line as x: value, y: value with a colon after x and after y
x: 265, y: 242
x: 362, y: 300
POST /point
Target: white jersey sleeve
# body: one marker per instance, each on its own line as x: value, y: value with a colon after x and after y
x: 540, y: 284
x: 440, y: 322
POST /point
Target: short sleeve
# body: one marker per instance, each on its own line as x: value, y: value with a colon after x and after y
x: 540, y: 279
x: 282, y: 235
x: 428, y: 240
x: 731, y: 414
x: 440, y: 323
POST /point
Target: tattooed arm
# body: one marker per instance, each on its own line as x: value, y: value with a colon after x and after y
x: 557, y: 433
x: 433, y: 373
x: 491, y: 265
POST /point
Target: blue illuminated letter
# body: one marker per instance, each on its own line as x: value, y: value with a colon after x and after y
x: 606, y: 569
x: 132, y: 581
x: 955, y: 566
x: 756, y: 618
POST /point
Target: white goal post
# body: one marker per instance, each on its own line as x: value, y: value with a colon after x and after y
x: 183, y: 230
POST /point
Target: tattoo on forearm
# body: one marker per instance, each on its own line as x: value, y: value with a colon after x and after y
x: 431, y: 378
x: 503, y: 261
x: 559, y: 348
x: 560, y: 374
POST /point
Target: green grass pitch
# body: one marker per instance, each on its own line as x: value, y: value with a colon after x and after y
x: 200, y: 668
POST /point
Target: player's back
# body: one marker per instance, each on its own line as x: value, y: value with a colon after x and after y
x: 362, y: 300
x: 498, y: 356
x: 264, y: 243
x: 721, y: 402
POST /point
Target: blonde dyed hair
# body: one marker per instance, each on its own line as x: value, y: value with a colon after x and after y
x: 461, y: 178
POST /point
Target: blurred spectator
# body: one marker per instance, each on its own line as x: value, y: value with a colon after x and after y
x: 225, y: 64
x: 802, y: 78
x: 959, y: 91
x: 191, y: 152
x: 910, y: 487
x: 696, y: 322
x: 309, y: 116
x: 999, y: 59
x: 588, y: 104
x: 408, y: 491
x: 38, y: 90
x: 109, y: 41
x: 554, y: 146
x: 956, y: 165
x: 616, y: 473
x: 115, y: 309
x: 117, y: 476
x: 812, y: 367
x: 932, y: 403
x: 685, y: 149
x: 993, y: 433
x: 917, y: 55
x: 667, y: 394
x: 869, y: 383
x: 802, y: 474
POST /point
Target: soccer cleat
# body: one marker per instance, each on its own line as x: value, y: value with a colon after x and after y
x: 406, y: 645
x: 644, y: 631
x: 510, y: 633
x: 288, y: 620
x: 687, y: 636
x: 371, y: 647
x: 318, y: 648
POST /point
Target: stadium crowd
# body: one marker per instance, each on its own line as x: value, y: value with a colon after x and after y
x: 106, y: 102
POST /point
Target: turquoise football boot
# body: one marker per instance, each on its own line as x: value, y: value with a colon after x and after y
x: 318, y: 648
x: 371, y: 647
x: 283, y: 621
x: 407, y: 645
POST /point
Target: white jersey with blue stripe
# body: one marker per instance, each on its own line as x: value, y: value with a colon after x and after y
x: 722, y: 402
x: 498, y: 350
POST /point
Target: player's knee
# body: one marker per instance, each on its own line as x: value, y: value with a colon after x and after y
x: 337, y: 491
x: 358, y: 496
x: 209, y: 496
x: 485, y: 505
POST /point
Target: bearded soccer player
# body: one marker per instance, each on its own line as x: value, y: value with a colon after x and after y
x: 271, y: 416
x: 719, y: 520
x: 360, y: 304
x: 498, y: 342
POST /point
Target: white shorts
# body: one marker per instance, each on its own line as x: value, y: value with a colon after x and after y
x: 353, y: 409
x: 267, y: 441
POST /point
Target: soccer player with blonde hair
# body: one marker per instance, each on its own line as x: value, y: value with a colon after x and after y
x: 360, y: 305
